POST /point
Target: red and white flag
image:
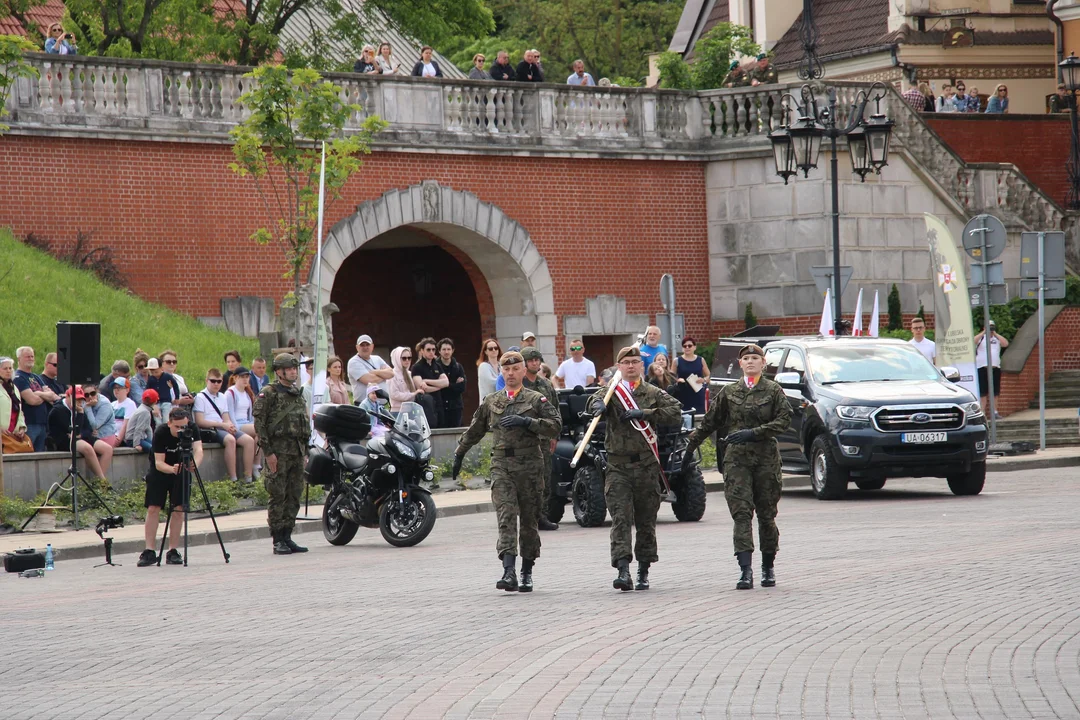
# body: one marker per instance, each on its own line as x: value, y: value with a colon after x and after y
x: 827, y: 326
x: 856, y: 327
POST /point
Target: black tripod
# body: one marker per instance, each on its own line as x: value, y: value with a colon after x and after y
x: 74, y: 476
x: 187, y: 464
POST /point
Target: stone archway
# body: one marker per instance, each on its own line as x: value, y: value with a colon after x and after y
x: 500, y: 247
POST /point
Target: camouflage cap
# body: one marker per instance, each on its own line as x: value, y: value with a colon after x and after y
x: 285, y: 360
x: 531, y: 353
x: 626, y: 352
x: 751, y: 349
x: 511, y: 358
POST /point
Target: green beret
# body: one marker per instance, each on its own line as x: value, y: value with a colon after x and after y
x: 763, y: 56
x: 734, y: 64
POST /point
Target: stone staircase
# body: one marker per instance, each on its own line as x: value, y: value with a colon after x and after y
x: 1062, y: 390
x: 1060, y: 432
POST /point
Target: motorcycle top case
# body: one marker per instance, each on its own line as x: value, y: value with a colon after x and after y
x: 320, y: 468
x: 342, y: 421
x: 25, y: 559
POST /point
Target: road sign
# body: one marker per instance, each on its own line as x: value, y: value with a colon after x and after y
x: 822, y: 275
x: 996, y: 237
x: 994, y: 270
x: 1054, y: 249
x: 667, y: 292
x: 672, y: 338
x: 1054, y: 289
x: 999, y: 295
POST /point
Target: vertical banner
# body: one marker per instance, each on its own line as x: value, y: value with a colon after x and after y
x: 856, y: 325
x: 953, y: 332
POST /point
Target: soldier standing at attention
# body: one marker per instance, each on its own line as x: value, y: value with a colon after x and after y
x: 632, y: 479
x: 522, y: 421
x: 752, y: 412
x: 533, y: 360
x: 763, y: 73
x: 281, y: 423
x: 736, y: 76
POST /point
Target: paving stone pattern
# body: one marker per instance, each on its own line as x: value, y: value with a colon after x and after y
x: 903, y: 603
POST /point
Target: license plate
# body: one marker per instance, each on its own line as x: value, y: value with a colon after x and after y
x: 922, y: 438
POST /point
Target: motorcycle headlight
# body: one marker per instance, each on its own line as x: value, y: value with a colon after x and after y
x: 425, y: 452
x: 855, y: 412
x: 405, y: 449
x: 973, y: 412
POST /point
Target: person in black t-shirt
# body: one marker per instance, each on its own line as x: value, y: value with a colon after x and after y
x: 455, y: 389
x: 167, y: 481
x: 426, y: 368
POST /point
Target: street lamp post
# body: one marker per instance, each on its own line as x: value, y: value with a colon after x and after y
x: 796, y: 146
x: 1070, y: 76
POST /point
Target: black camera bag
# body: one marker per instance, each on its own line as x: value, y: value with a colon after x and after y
x: 24, y: 559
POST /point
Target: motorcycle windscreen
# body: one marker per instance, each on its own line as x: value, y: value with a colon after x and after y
x: 412, y: 423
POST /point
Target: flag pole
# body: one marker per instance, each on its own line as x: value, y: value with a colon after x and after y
x: 320, y: 363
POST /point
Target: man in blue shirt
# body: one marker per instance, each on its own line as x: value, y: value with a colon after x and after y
x: 579, y: 76
x: 36, y: 397
x: 652, y: 347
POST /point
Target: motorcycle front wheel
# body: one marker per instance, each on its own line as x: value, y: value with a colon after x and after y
x: 336, y: 529
x: 408, y: 523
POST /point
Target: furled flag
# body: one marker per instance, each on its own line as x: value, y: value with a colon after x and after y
x: 872, y: 331
x: 856, y: 327
x: 827, y: 326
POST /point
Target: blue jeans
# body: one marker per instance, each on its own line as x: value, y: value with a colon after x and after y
x: 146, y: 446
x: 37, y: 434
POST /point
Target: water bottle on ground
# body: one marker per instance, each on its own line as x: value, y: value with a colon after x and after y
x: 49, y: 557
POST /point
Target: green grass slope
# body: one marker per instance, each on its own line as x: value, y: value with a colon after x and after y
x: 36, y: 291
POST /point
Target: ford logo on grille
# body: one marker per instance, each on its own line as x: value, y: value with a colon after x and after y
x: 920, y: 418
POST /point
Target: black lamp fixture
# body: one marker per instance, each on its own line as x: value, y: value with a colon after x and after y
x: 1070, y: 77
x: 783, y: 153
x: 1070, y: 72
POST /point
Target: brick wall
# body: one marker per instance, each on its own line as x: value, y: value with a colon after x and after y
x: 1062, y: 353
x: 1037, y: 144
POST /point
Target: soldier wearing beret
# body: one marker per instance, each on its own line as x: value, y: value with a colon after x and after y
x: 763, y: 73
x: 533, y: 360
x: 632, y: 478
x: 736, y: 77
x: 749, y: 414
x: 521, y: 421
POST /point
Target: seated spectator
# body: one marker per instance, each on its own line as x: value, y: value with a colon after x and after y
x: 60, y: 42
x: 232, y: 360
x: 659, y: 374
x: 388, y: 66
x: 501, y: 69
x: 120, y: 369
x: 337, y: 390
x: 1060, y: 102
x: 141, y: 376
x: 211, y: 413
x: 36, y: 397
x: 164, y: 384
x: 999, y: 103
x: 404, y: 387
x: 946, y: 103
x: 168, y: 361
x: 579, y: 76
x: 576, y: 369
x: 49, y: 373
x: 123, y: 408
x: 477, y: 72
x: 64, y: 416
x: 139, y: 431
x: 372, y: 404
x: 425, y: 66
x: 259, y: 378
x: 528, y: 70
x: 99, y: 413
x: 241, y: 402
x: 487, y: 367
x: 366, y: 65
x: 914, y: 97
x: 12, y: 420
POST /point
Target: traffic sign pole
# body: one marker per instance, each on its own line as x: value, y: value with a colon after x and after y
x: 1042, y: 342
x: 982, y: 231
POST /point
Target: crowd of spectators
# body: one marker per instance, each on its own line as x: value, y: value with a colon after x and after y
x: 956, y: 98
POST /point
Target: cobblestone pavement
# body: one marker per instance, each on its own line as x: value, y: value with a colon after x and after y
x: 902, y: 603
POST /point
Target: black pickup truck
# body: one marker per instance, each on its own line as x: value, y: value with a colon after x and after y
x: 869, y: 409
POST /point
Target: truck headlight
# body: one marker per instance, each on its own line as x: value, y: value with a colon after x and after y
x: 973, y: 411
x: 855, y: 412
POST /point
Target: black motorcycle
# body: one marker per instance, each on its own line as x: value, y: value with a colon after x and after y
x: 374, y: 483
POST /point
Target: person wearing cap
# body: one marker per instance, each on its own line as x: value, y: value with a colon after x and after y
x: 120, y: 369
x: 763, y: 73
x: 532, y: 380
x: 528, y: 339
x: 71, y: 413
x: 367, y: 369
x: 123, y: 407
x: 163, y: 383
x: 522, y: 421
x: 736, y: 77
x: 139, y: 427
x: 749, y: 414
x: 997, y: 344
x: 632, y: 486
x: 283, y: 429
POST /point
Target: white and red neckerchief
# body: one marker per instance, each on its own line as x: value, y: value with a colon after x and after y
x: 625, y: 394
x: 750, y: 382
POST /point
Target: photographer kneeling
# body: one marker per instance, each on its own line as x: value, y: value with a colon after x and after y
x: 167, y: 480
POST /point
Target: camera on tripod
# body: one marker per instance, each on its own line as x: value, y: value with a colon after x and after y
x: 188, y: 436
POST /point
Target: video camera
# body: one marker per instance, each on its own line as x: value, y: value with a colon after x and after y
x: 108, y: 523
x: 188, y: 435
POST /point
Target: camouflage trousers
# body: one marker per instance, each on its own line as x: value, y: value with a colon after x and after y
x: 753, y: 484
x: 516, y: 493
x: 632, y: 492
x: 545, y: 488
x: 285, y: 487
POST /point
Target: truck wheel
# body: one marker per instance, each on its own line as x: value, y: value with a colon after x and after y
x: 590, y: 507
x: 828, y: 480
x: 969, y: 483
x: 870, y: 484
x: 689, y: 505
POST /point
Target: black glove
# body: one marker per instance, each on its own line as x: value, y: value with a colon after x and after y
x: 457, y: 465
x: 739, y: 437
x: 634, y: 414
x: 599, y: 410
x: 687, y: 458
x: 514, y: 421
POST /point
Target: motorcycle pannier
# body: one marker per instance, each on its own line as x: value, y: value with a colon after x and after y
x: 342, y: 421
x: 320, y: 468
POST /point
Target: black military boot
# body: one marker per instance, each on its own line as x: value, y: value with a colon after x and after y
x: 642, y: 576
x: 293, y: 546
x: 508, y: 582
x: 768, y: 576
x: 280, y: 546
x: 546, y: 524
x: 623, y: 582
x: 746, y: 580
x: 526, y: 576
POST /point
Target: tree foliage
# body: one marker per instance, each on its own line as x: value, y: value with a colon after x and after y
x: 713, y: 54
x: 279, y: 147
x: 674, y: 72
x: 13, y: 66
x: 180, y: 30
x: 896, y: 315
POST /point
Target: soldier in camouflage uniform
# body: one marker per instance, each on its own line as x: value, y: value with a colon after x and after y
x: 632, y: 479
x: 749, y: 414
x: 533, y: 360
x: 763, y: 73
x: 736, y: 77
x: 521, y: 421
x: 283, y: 428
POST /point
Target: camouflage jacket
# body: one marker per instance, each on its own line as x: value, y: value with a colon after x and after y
x: 763, y: 409
x: 736, y: 78
x: 544, y: 387
x: 621, y: 437
x: 545, y: 421
x: 765, y: 75
x: 281, y: 420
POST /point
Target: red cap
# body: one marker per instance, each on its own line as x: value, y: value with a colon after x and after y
x: 150, y: 397
x: 79, y: 395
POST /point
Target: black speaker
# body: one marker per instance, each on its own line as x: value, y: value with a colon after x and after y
x: 78, y: 352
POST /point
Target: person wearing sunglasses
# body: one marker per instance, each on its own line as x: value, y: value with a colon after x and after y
x: 487, y: 367
x: 478, y: 72
x: 576, y: 369
x: 140, y: 377
x: 687, y: 364
x: 60, y: 42
x: 168, y: 360
x: 404, y: 386
x: 999, y: 101
x: 49, y: 375
x: 212, y: 413
x: 71, y: 413
x: 501, y: 69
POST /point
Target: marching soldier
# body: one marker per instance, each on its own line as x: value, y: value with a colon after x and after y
x: 736, y: 77
x: 533, y: 360
x: 752, y: 412
x: 632, y: 479
x: 522, y: 421
x: 763, y: 73
x: 283, y: 428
